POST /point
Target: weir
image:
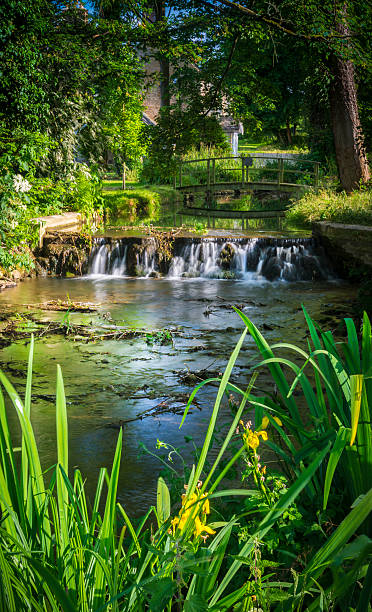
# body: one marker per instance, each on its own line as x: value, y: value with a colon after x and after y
x: 252, y: 259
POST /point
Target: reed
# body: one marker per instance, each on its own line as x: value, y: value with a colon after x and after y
x: 58, y: 552
x: 338, y: 405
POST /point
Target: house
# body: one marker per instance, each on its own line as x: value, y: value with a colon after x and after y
x: 156, y: 98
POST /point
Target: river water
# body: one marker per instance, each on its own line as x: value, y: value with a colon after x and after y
x: 114, y: 380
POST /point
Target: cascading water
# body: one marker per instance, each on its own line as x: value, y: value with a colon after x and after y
x: 252, y: 259
x: 109, y: 258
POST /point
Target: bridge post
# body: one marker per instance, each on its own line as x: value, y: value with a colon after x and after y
x: 243, y: 169
x: 181, y: 174
x: 208, y: 173
x: 280, y: 170
x: 213, y: 171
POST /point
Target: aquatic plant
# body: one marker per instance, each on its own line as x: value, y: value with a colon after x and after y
x: 59, y: 553
x: 338, y: 411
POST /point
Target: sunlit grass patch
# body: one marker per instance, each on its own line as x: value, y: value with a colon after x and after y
x: 327, y: 205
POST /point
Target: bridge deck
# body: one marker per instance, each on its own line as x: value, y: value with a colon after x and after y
x: 239, y: 186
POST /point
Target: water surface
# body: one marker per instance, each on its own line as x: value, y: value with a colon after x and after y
x: 113, y: 380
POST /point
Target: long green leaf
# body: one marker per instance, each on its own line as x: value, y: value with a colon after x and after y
x: 356, y: 387
x: 342, y: 535
x: 213, y: 418
x: 162, y: 501
x: 24, y: 461
x: 342, y: 437
x: 62, y: 458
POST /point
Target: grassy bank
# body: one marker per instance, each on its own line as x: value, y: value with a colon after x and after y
x: 327, y: 205
x: 138, y: 203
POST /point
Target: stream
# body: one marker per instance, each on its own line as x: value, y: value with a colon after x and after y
x: 111, y: 381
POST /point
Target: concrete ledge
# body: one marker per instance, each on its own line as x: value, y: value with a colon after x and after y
x: 66, y: 221
x: 349, y: 246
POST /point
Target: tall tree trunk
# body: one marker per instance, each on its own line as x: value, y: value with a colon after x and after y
x: 347, y: 133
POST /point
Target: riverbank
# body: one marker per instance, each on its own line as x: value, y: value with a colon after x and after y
x: 326, y: 205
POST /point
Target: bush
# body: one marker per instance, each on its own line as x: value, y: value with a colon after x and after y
x: 327, y: 205
x: 25, y: 193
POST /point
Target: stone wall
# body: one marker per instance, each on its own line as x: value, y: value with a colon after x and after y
x: 348, y: 246
x: 62, y: 254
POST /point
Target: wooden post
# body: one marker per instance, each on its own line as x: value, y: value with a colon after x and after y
x: 175, y: 212
x: 316, y: 175
x: 242, y: 171
x: 180, y: 174
x: 213, y: 171
x: 242, y: 222
x: 124, y: 177
x: 213, y: 222
x: 280, y: 170
x: 208, y: 173
x: 174, y: 180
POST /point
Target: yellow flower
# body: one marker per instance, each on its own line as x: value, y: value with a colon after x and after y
x: 200, y: 528
x: 251, y: 438
x: 193, y: 508
x: 265, y: 422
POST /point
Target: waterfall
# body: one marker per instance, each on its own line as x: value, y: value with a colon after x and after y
x: 108, y: 258
x: 254, y: 259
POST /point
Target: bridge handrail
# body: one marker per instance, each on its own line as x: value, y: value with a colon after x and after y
x: 245, y: 168
x: 293, y: 159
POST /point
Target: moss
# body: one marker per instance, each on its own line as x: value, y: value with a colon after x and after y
x: 327, y: 205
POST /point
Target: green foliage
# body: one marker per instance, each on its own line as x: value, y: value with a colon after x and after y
x: 339, y: 410
x: 84, y: 194
x: 19, y: 155
x: 162, y: 337
x: 131, y: 205
x: 327, y: 205
x: 176, y: 133
x: 25, y: 193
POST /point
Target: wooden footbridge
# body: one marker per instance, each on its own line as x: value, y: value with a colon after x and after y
x: 232, y: 177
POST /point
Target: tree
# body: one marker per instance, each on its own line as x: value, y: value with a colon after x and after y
x: 325, y: 29
x: 330, y: 31
x: 60, y: 67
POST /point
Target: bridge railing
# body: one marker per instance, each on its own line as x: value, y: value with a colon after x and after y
x: 244, y: 169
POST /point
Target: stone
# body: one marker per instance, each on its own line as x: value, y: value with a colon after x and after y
x: 226, y: 256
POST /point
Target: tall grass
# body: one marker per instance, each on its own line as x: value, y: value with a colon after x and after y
x: 327, y: 205
x: 58, y: 552
x: 338, y: 400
